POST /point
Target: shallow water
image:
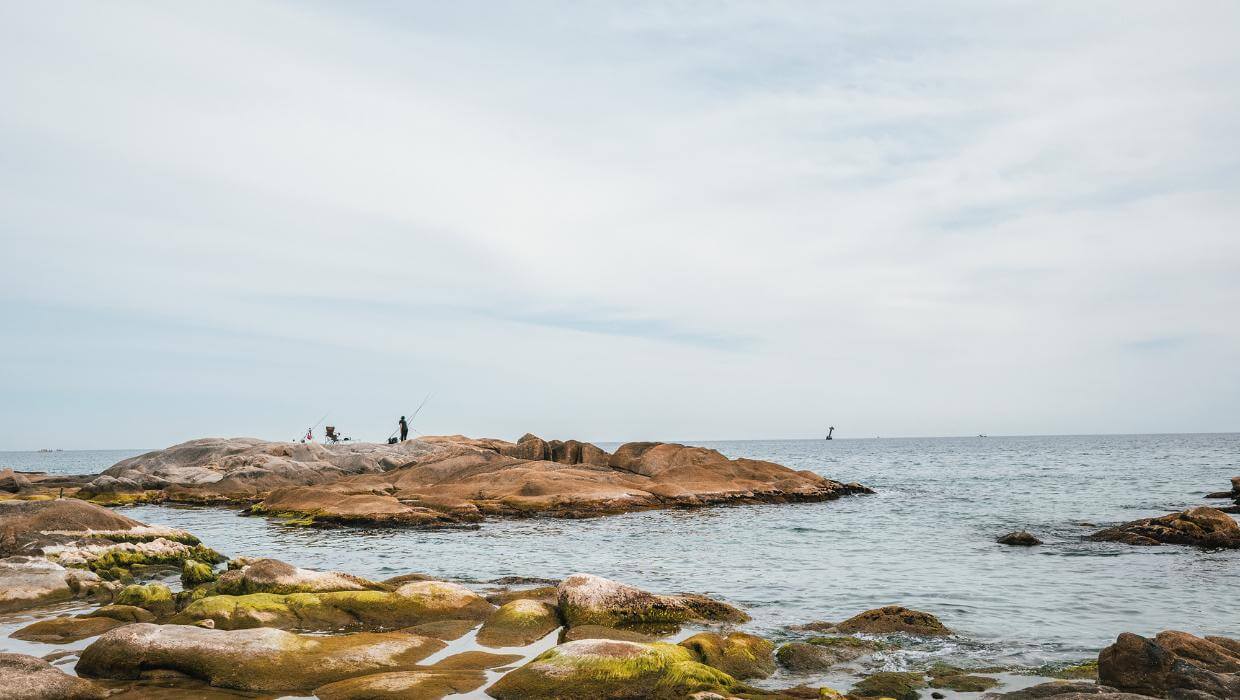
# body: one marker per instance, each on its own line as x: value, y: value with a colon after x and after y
x: 926, y: 540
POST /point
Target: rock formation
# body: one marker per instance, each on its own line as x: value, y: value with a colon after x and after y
x: 27, y: 678
x: 1199, y: 527
x: 1172, y: 664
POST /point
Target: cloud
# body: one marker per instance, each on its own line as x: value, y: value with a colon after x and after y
x: 638, y: 220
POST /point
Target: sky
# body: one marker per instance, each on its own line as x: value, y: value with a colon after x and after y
x: 616, y: 221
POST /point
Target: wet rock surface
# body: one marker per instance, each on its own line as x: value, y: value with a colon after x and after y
x: 1020, y: 538
x: 1199, y: 527
x: 585, y: 599
x: 28, y: 678
x: 892, y: 619
x: 1172, y: 663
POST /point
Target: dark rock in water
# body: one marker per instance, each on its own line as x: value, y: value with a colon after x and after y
x: 1064, y: 690
x: 1019, y: 538
x: 937, y: 695
x: 1200, y: 527
x: 801, y: 657
x: 894, y: 619
x: 900, y: 685
x: 1173, y: 663
x: 28, y: 678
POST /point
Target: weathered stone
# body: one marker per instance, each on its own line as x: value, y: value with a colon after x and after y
x: 1172, y: 662
x: 1200, y: 527
x: 403, y: 685
x: 28, y: 678
x: 586, y: 599
x: 1019, y: 538
x: 894, y: 619
x: 154, y: 597
x: 123, y: 613
x: 900, y: 685
x: 196, y: 573
x: 518, y: 623
x: 62, y: 630
x: 964, y: 683
x: 822, y: 653
x: 23, y: 524
x: 572, y: 634
x: 12, y: 482
x: 255, y: 659
x: 1065, y: 690
x: 595, y: 668
x: 739, y: 655
x: 545, y: 594
x: 411, y: 604
x: 275, y: 576
x: 29, y: 581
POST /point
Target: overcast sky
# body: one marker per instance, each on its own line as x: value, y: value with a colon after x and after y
x: 617, y: 220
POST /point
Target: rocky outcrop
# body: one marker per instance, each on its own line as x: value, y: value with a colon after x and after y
x: 450, y: 480
x: 26, y: 582
x: 275, y: 576
x: 739, y: 655
x: 257, y: 659
x: 596, y: 668
x: 1019, y: 538
x: 893, y: 619
x: 27, y: 678
x: 518, y: 623
x: 586, y: 599
x: 411, y: 604
x: 1233, y: 493
x: 1199, y: 527
x: 27, y: 526
x: 1172, y: 664
x: 13, y: 482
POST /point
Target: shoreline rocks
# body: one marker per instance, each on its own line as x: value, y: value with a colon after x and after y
x: 585, y: 599
x: 1020, y: 538
x: 1201, y: 526
x: 25, y: 677
x: 890, y: 619
x: 1172, y: 663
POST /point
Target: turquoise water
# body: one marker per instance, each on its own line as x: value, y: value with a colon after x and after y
x: 926, y: 540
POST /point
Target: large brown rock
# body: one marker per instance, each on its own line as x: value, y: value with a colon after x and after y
x: 12, y: 482
x: 739, y: 655
x: 893, y: 619
x: 1200, y: 527
x: 1171, y: 663
x: 27, y: 678
x: 586, y: 599
x: 518, y: 623
x: 63, y: 630
x: 445, y: 480
x: 24, y: 524
x: 255, y: 659
x: 275, y: 576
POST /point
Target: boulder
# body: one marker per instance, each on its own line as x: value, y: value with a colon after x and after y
x: 1199, y: 527
x: 518, y: 623
x: 586, y: 599
x: 964, y: 682
x: 63, y: 630
x: 899, y: 685
x: 411, y: 604
x: 1171, y: 663
x: 822, y: 653
x: 254, y: 659
x: 275, y: 576
x: 1019, y: 538
x: 12, y: 482
x: 28, y: 678
x: 572, y: 634
x: 123, y: 613
x: 403, y: 685
x: 115, y: 560
x: 545, y: 594
x: 596, y: 668
x: 25, y: 525
x: 29, y: 581
x: 196, y: 573
x: 155, y: 598
x: 893, y: 619
x: 739, y: 655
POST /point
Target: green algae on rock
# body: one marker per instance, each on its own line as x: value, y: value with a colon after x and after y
x: 518, y: 623
x: 739, y: 655
x: 255, y: 659
x: 594, y: 668
x: 586, y: 599
x: 964, y: 682
x: 123, y: 613
x: 893, y: 619
x: 154, y: 597
x: 196, y: 573
x: 900, y: 685
x: 275, y: 576
x: 411, y: 604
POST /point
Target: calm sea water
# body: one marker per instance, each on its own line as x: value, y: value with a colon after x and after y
x: 926, y: 540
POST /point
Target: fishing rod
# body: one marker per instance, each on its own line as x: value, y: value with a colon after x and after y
x: 316, y: 424
x: 415, y: 415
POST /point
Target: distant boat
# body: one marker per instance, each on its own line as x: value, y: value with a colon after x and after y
x: 982, y: 436
x: 829, y: 431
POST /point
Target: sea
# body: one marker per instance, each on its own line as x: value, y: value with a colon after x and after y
x: 925, y: 540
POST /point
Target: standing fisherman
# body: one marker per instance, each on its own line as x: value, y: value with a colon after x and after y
x: 404, y: 429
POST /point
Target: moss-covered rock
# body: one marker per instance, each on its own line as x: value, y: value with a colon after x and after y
x: 115, y: 561
x: 1086, y: 670
x: 275, y: 576
x: 802, y: 657
x: 518, y: 623
x: 411, y: 604
x: 618, y: 670
x: 154, y: 597
x: 123, y: 613
x: 586, y: 599
x: 27, y: 678
x: 739, y: 655
x: 573, y: 634
x: 195, y: 573
x: 894, y: 619
x: 900, y: 685
x: 63, y: 630
x: 964, y: 683
x: 403, y: 685
x: 257, y: 659
x: 546, y: 594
